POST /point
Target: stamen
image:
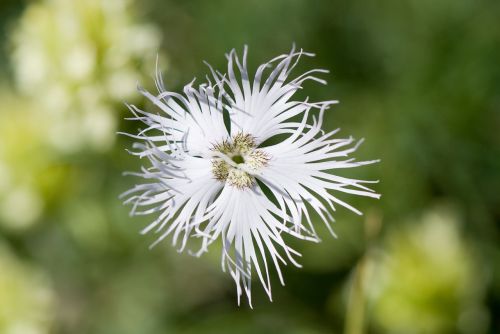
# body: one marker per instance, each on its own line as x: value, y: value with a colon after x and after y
x: 239, y: 178
x: 236, y: 160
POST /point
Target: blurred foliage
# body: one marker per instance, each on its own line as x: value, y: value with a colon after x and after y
x: 428, y: 280
x: 27, y: 301
x: 78, y: 59
x: 418, y: 79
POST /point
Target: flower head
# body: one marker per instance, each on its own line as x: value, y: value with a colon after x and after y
x: 237, y: 159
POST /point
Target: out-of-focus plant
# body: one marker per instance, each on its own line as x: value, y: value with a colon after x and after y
x: 29, y: 178
x: 428, y: 279
x: 78, y: 59
x: 26, y: 302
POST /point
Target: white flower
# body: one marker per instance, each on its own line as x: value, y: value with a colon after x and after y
x: 214, y: 174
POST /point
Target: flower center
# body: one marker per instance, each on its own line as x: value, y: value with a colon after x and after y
x: 237, y: 160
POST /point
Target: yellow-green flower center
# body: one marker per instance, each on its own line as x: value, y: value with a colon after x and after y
x: 237, y: 160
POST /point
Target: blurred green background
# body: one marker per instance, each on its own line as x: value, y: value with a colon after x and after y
x: 419, y: 79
